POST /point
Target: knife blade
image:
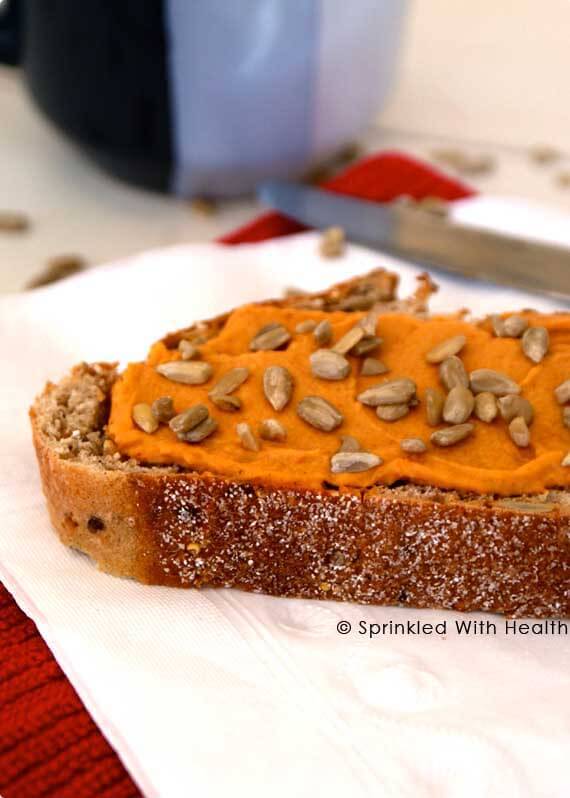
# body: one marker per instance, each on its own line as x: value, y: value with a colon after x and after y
x: 436, y: 241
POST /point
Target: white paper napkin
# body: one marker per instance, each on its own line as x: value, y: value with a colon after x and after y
x: 219, y: 693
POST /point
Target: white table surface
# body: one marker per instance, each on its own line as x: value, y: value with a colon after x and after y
x: 490, y: 77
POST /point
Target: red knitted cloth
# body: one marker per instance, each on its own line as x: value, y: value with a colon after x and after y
x: 49, y: 745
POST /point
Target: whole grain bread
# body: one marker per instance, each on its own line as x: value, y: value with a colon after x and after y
x: 407, y: 545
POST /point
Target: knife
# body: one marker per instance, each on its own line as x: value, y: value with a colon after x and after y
x: 416, y: 234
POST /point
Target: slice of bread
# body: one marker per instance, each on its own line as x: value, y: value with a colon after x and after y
x: 402, y: 544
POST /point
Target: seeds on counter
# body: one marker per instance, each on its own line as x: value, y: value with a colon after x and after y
x: 163, y: 409
x: 490, y: 381
x: 535, y: 343
x: 13, y: 221
x: 451, y: 435
x: 246, y: 436
x: 329, y: 365
x: 458, y: 405
x: 323, y: 333
x: 392, y: 412
x: 392, y: 392
x: 513, y: 405
x: 270, y: 337
x: 349, y: 340
x: 519, y: 432
x: 200, y: 432
x: 272, y: 430
x: 371, y: 367
x: 452, y: 372
x: 188, y: 350
x: 229, y: 382
x: 486, y: 407
x: 413, y: 446
x: 368, y: 344
x: 348, y: 443
x: 562, y: 392
x: 319, y: 413
x: 186, y: 371
x: 226, y: 402
x: 434, y: 400
x: 188, y: 419
x: 354, y: 462
x: 277, y: 386
x: 332, y: 243
x: 143, y: 418
x: 445, y: 349
x: 306, y: 326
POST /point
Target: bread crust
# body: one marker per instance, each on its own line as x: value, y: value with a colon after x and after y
x: 405, y: 545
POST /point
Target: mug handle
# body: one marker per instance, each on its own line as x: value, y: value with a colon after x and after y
x: 10, y: 31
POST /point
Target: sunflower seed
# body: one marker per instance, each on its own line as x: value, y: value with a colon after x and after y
x: 370, y: 321
x: 200, y: 432
x: 434, y: 406
x: 367, y: 344
x: 451, y: 435
x: 562, y: 393
x: 413, y: 446
x: 271, y: 336
x: 329, y: 365
x: 143, y: 418
x: 486, y: 407
x: 272, y: 430
x: 349, y: 444
x: 354, y: 462
x: 535, y: 343
x: 277, y: 386
x: 495, y: 382
x: 566, y: 417
x: 163, y: 409
x: 188, y: 372
x: 392, y: 392
x: 306, y: 326
x: 332, y: 243
x: 372, y: 367
x: 225, y: 402
x: 392, y: 412
x: 188, y: 419
x: 188, y: 350
x: 357, y: 301
x: 445, y: 349
x: 513, y: 405
x: 498, y: 325
x: 565, y: 460
x: 348, y: 340
x: 323, y: 332
x: 13, y: 221
x: 514, y: 326
x: 458, y: 405
x: 527, y: 507
x: 230, y: 381
x: 452, y: 372
x: 319, y: 413
x: 518, y: 431
x: 247, y: 438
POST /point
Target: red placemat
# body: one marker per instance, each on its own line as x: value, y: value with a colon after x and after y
x: 49, y: 745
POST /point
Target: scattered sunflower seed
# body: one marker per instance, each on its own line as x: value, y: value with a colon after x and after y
x: 392, y: 392
x: 372, y: 367
x: 277, y: 386
x: 57, y: 269
x: 319, y: 413
x: 369, y: 322
x: 332, y: 243
x: 518, y: 431
x: 566, y: 417
x: 230, y: 381
x: 435, y: 400
x: 562, y: 392
x: 188, y: 419
x: 513, y: 405
x: 565, y: 460
x: 225, y: 402
x: 270, y: 337
x: 498, y: 325
x: 490, y: 381
x: 349, y: 340
x: 544, y: 154
x: 200, y: 432
x: 535, y: 342
x: 246, y: 436
x: 188, y: 350
x: 452, y: 372
x: 349, y: 444
x: 323, y: 332
x: 458, y: 405
x: 366, y: 345
x: 451, y: 435
x: 445, y: 349
x: 272, y: 430
x: 392, y: 412
x: 203, y: 206
x: 354, y: 462
x: 514, y: 326
x: 329, y: 365
x: 185, y: 371
x: 163, y: 409
x: 413, y: 446
x: 306, y: 326
x: 486, y: 407
x: 358, y: 301
x: 13, y: 221
x: 143, y: 418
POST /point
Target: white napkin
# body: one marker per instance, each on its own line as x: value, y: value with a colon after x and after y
x: 222, y: 693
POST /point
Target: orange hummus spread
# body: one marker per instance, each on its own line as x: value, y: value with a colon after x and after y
x: 486, y: 462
